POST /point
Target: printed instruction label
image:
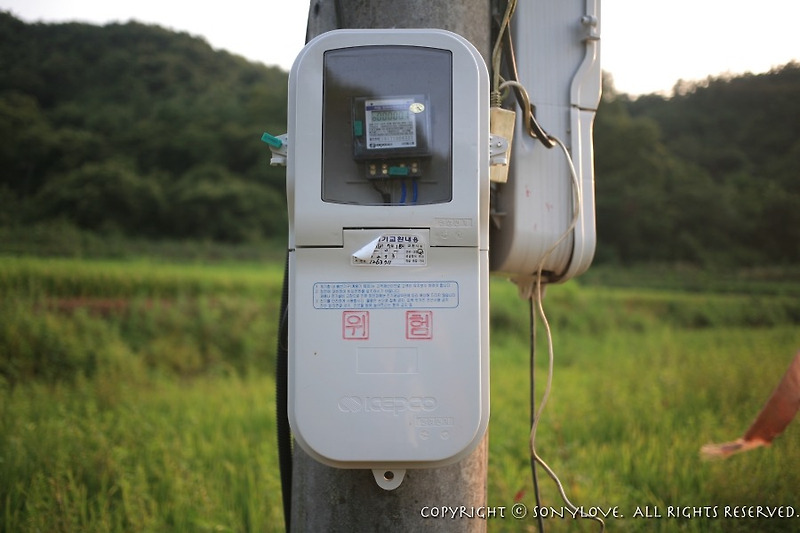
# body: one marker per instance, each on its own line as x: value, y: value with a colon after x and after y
x: 385, y: 294
x: 393, y: 249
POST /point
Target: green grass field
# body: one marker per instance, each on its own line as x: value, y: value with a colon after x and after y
x: 138, y: 395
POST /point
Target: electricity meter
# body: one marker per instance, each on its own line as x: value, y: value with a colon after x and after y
x: 388, y: 198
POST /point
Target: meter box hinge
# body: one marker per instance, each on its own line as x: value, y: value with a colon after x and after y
x: 498, y: 150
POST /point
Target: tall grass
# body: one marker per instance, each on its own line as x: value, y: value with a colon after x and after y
x: 642, y: 380
x: 138, y: 396
x: 63, y: 317
x: 98, y: 278
x: 160, y: 457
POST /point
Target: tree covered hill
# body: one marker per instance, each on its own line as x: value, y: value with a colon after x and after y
x: 710, y: 175
x: 136, y: 130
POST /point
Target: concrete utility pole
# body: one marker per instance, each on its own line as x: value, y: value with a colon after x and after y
x: 469, y: 18
x: 331, y: 499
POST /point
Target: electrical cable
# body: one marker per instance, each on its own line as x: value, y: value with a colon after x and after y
x: 529, y: 110
x: 504, y: 41
x: 497, y: 50
x: 339, y: 17
x: 538, y: 295
x: 531, y: 125
x: 386, y: 194
x: 535, y: 130
x: 284, y: 431
x: 534, y: 475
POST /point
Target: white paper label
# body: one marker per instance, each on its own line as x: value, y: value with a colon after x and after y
x: 393, y: 249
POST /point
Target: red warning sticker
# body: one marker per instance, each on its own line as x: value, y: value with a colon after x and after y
x: 419, y: 325
x: 355, y: 325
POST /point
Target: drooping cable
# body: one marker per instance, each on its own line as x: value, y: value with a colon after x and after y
x: 528, y: 109
x: 534, y: 130
x: 504, y: 48
x: 284, y: 432
x: 531, y: 125
x: 538, y: 296
x: 534, y: 475
x: 497, y: 50
x: 534, y: 291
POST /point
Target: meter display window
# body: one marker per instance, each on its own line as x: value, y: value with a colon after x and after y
x: 387, y: 126
x: 391, y: 127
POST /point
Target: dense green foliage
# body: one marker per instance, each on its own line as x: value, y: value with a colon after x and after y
x: 135, y: 130
x: 707, y: 176
x: 139, y: 396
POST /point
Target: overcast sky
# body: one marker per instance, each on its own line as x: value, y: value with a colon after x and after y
x: 646, y: 45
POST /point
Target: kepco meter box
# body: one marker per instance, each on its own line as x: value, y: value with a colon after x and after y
x: 388, y: 198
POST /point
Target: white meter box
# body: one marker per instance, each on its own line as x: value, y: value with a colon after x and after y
x: 388, y: 266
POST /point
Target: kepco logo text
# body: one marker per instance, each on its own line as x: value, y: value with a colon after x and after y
x: 386, y: 404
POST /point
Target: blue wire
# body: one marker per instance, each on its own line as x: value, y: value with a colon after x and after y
x: 403, y: 192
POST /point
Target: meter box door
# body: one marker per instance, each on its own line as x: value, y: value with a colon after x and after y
x: 388, y: 197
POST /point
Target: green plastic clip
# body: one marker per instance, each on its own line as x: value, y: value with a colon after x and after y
x: 272, y: 140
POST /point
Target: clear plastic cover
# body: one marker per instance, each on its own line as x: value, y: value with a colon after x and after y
x: 387, y: 126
